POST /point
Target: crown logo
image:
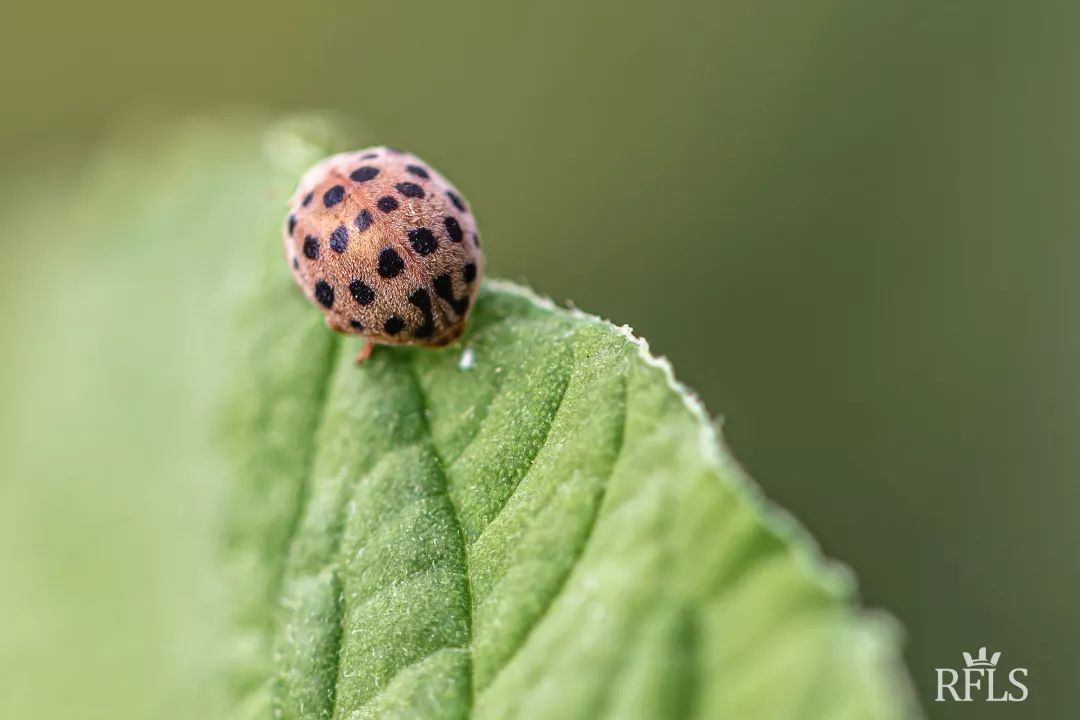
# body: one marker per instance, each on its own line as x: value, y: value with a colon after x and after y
x: 981, y: 660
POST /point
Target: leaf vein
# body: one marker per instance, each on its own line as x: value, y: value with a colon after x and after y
x: 456, y: 516
x: 532, y: 461
x: 583, y: 545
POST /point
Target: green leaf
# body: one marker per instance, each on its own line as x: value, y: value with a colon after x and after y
x: 537, y: 522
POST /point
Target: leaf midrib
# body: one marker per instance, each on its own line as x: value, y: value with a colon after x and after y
x: 414, y: 376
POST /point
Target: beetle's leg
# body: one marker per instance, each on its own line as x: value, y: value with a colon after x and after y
x: 365, y: 353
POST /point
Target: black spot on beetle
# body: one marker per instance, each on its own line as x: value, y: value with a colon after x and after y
x: 410, y: 190
x: 418, y: 171
x: 476, y: 239
x: 444, y: 288
x: 292, y: 224
x: 456, y: 199
x: 333, y: 196
x: 393, y: 325
x: 423, y: 241
x: 295, y: 263
x: 307, y: 199
x: 390, y: 263
x: 339, y: 239
x: 311, y: 248
x: 369, y: 156
x: 468, y: 273
x: 363, y: 174
x: 453, y: 229
x: 356, y: 325
x: 324, y: 293
x: 361, y: 292
x: 421, y: 299
x: 387, y: 204
x: 363, y: 220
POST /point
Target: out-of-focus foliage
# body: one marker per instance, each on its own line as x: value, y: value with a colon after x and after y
x: 123, y: 304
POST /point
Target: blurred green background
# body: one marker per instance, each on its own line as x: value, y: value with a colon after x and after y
x: 850, y: 225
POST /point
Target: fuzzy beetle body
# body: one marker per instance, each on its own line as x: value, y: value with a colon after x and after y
x: 385, y: 247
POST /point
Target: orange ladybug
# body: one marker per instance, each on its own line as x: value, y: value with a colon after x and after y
x: 385, y: 247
